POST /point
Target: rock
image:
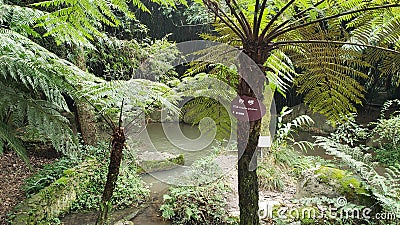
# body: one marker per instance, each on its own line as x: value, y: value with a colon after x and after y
x: 158, y: 161
x: 156, y: 117
x: 333, y: 183
x: 55, y: 199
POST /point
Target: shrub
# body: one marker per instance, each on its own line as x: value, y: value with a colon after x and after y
x: 196, y: 205
x: 46, y: 176
x: 270, y: 178
x: 130, y: 190
x: 387, y: 134
x: 200, y: 204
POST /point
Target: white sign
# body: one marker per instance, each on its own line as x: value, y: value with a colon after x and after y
x: 264, y: 141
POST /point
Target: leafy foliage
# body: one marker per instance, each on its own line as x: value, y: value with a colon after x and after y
x: 34, y: 81
x: 200, y: 203
x: 386, y: 133
x: 116, y: 59
x: 47, y: 175
x: 195, y: 205
x: 130, y: 189
x: 78, y: 22
x: 283, y: 161
x: 385, y: 188
x: 138, y: 95
x: 308, y: 41
x: 211, y: 98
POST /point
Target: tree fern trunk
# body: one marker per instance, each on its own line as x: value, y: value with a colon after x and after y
x: 85, y: 116
x: 118, y: 143
x: 251, y: 83
x: 247, y: 175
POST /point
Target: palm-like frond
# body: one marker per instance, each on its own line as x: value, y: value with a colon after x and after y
x: 329, y: 79
x: 19, y: 19
x: 212, y: 99
x: 381, y: 28
x: 33, y: 81
x: 136, y: 94
x: 79, y: 21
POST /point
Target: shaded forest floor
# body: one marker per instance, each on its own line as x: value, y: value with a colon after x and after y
x: 13, y: 172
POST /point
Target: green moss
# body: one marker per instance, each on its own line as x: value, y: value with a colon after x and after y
x: 348, y: 185
x: 159, y: 165
x: 69, y: 172
x: 55, y: 199
x: 327, y: 174
x: 62, y: 181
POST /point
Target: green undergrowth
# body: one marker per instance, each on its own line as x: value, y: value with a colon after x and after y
x: 204, y: 200
x: 130, y: 190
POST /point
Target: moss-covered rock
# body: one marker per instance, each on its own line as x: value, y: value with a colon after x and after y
x: 55, y: 199
x: 332, y: 183
x: 157, y: 161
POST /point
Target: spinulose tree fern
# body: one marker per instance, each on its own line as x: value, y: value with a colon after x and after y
x: 33, y: 81
x: 211, y: 98
x: 309, y: 33
x: 78, y: 22
x: 309, y: 37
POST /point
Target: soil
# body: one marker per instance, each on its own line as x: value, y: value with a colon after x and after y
x: 232, y: 199
x: 13, y: 172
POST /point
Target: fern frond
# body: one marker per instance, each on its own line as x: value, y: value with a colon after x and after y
x: 135, y: 93
x: 8, y: 136
x: 78, y: 22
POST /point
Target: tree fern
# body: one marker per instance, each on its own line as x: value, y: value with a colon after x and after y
x: 9, y: 137
x: 78, y: 22
x: 33, y: 81
x: 310, y: 37
x: 136, y: 94
x: 211, y: 98
x: 263, y: 26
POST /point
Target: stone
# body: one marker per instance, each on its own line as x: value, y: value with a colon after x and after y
x: 333, y: 183
x: 158, y: 161
x: 55, y: 199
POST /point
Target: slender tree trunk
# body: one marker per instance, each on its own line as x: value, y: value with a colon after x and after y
x: 251, y: 83
x: 85, y: 116
x: 118, y: 143
x: 247, y: 175
x: 248, y: 133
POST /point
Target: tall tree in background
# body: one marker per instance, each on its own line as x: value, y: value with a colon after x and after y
x: 281, y: 36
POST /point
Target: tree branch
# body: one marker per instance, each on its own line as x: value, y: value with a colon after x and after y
x: 229, y: 23
x: 258, y: 22
x: 294, y: 42
x: 243, y: 22
x: 274, y: 35
x: 255, y: 19
x: 272, y: 21
x: 243, y: 17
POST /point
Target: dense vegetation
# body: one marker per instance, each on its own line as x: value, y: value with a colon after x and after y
x: 74, y: 72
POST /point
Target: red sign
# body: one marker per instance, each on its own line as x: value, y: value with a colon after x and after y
x: 246, y: 108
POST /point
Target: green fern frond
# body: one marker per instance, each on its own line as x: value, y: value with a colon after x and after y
x: 135, y: 93
x: 8, y: 136
x: 201, y: 107
x: 19, y: 19
x: 329, y: 79
x: 78, y: 22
